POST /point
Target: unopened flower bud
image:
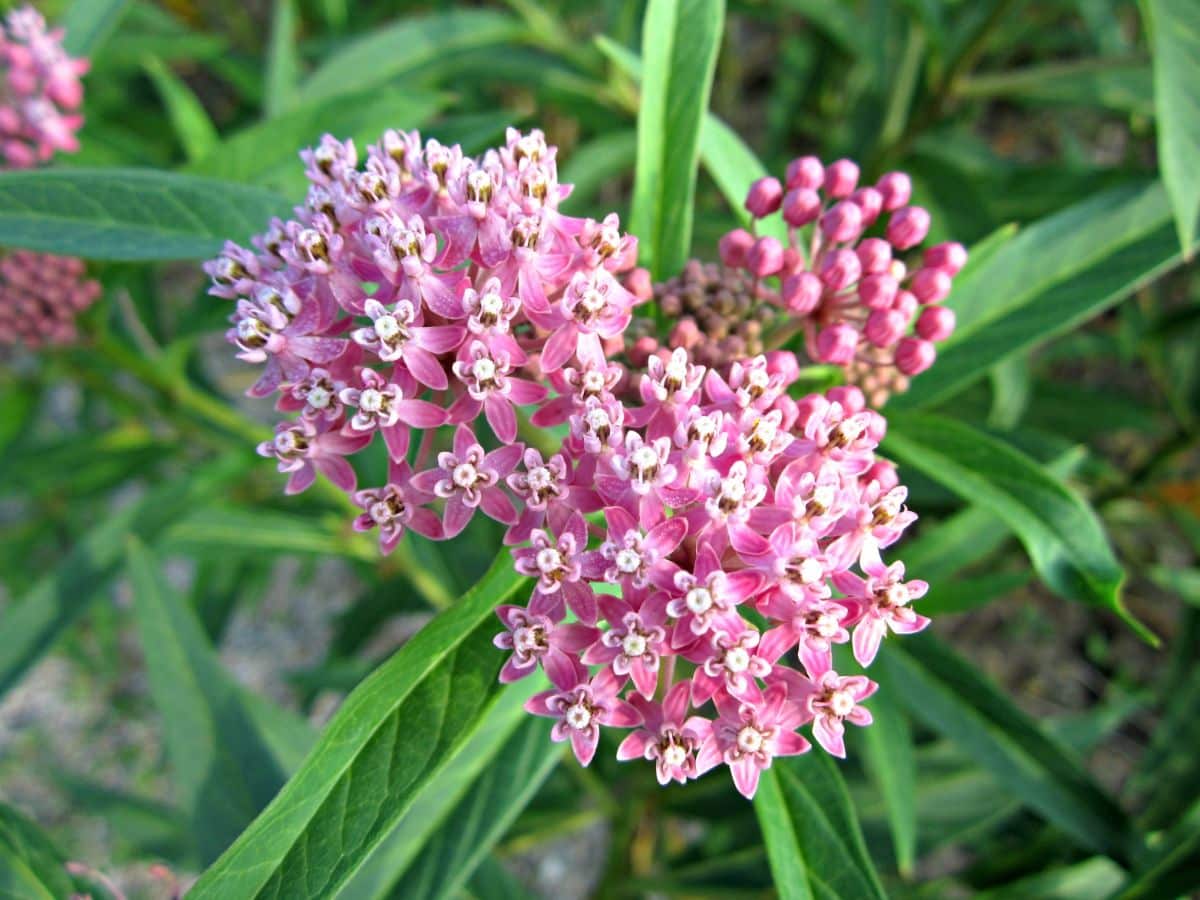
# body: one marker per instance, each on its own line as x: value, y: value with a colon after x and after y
x: 734, y: 246
x: 914, y: 355
x: 875, y: 254
x: 936, y: 323
x: 765, y: 257
x: 801, y: 206
x: 930, y: 285
x: 849, y: 397
x: 801, y: 293
x: 878, y: 291
x: 764, y: 197
x: 806, y: 173
x: 837, y: 343
x: 870, y: 201
x: 841, y: 178
x: 840, y: 269
x: 949, y: 257
x: 908, y: 227
x: 895, y: 189
x: 639, y: 283
x: 885, y: 326
x: 905, y: 303
x: 843, y: 222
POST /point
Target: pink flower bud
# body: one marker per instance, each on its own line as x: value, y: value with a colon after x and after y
x: 914, y: 355
x: 806, y: 173
x: 870, y: 201
x: 843, y: 222
x: 802, y: 293
x: 801, y: 206
x: 895, y: 189
x: 878, y: 291
x: 930, y: 285
x: 841, y: 178
x: 905, y: 303
x: 639, y: 283
x: 643, y: 348
x: 849, y: 397
x: 840, y: 269
x: 884, y: 472
x: 908, y: 227
x: 936, y: 323
x: 734, y: 246
x: 885, y: 327
x: 875, y: 254
x: 836, y: 344
x: 686, y: 334
x: 764, y: 197
x: 949, y: 257
x: 876, y: 426
x: 765, y: 257
x: 784, y: 364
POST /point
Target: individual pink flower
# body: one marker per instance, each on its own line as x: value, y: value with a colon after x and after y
x: 537, y: 636
x: 304, y: 448
x: 635, y: 558
x: 634, y: 642
x: 668, y: 736
x: 707, y: 593
x: 831, y: 700
x: 556, y: 564
x: 395, y: 508
x: 393, y: 335
x: 468, y: 478
x: 490, y: 385
x: 380, y: 404
x: 882, y: 600
x: 580, y: 711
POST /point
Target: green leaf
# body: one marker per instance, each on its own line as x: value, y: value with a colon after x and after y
x: 1087, y: 880
x: 493, y: 881
x: 128, y: 214
x: 814, y: 843
x: 193, y: 127
x: 1053, y: 276
x: 601, y: 160
x: 1060, y: 532
x: 680, y: 41
x: 951, y: 696
x: 267, y: 154
x: 31, y: 625
x: 1108, y: 84
x: 1174, y: 32
x: 222, y: 768
x: 283, y: 67
x: 242, y: 531
x: 734, y: 167
x: 405, y: 46
x: 890, y: 761
x: 30, y: 867
x: 386, y: 745
x: 1174, y: 868
x: 88, y: 23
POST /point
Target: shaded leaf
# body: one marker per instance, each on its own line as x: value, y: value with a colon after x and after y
x: 128, y: 214
x: 30, y: 866
x: 283, y: 67
x: 194, y: 129
x: 680, y: 40
x: 88, y: 23
x: 890, y: 761
x: 734, y: 167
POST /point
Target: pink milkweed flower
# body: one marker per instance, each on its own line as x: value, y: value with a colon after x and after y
x: 707, y: 593
x: 279, y: 329
x: 727, y: 659
x: 631, y: 558
x: 593, y: 306
x: 477, y: 231
x: 543, y: 485
x: 668, y: 736
x: 604, y: 245
x: 634, y: 641
x: 304, y: 448
x: 381, y: 404
x: 490, y: 314
x: 881, y: 600
x: 405, y: 254
x: 395, y: 507
x: 749, y: 733
x: 557, y: 568
x: 468, y: 479
x: 393, y: 335
x: 491, y: 387
x: 790, y: 558
x: 814, y: 625
x: 536, y: 635
x: 831, y: 700
x: 581, y: 711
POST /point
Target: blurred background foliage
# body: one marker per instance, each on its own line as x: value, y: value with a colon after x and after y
x: 176, y: 632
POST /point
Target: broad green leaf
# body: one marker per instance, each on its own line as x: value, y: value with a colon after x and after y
x: 1012, y: 383
x: 30, y: 866
x: 890, y: 761
x: 31, y: 625
x: 283, y: 67
x: 1087, y: 880
x: 241, y: 531
x: 951, y: 696
x: 480, y: 820
x: 194, y: 129
x: 432, y: 811
x: 734, y: 167
x: 88, y: 23
x: 405, y: 46
x: 129, y: 214
x: 814, y: 842
x: 267, y: 153
x: 1051, y: 277
x: 1174, y: 31
x: 223, y: 770
x: 388, y: 742
x: 680, y: 41
x: 1060, y: 532
x: 602, y: 159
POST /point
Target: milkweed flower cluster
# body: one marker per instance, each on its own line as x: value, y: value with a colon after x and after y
x: 41, y: 91
x: 847, y: 278
x: 40, y: 296
x: 698, y: 542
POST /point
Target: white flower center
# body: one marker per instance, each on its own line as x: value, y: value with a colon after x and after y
x: 529, y: 638
x: 749, y: 739
x: 827, y: 625
x: 579, y: 716
x: 387, y: 327
x: 593, y: 381
x: 318, y: 397
x: 810, y: 571
x: 644, y: 458
x: 540, y: 478
x: 370, y: 400
x: 592, y: 301
x: 699, y: 600
x: 633, y: 644
x: 842, y: 703
x: 491, y: 304
x: 628, y: 561
x: 465, y: 475
x: 674, y: 755
x: 549, y: 560
x: 824, y: 495
x: 897, y: 595
x: 484, y: 369
x: 597, y: 420
x: 737, y: 659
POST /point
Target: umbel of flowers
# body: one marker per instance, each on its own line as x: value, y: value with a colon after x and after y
x: 40, y: 295
x: 699, y: 541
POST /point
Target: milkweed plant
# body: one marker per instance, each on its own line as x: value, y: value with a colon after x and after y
x: 747, y: 472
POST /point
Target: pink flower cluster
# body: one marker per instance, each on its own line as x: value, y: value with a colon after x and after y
x: 841, y: 278
x: 41, y: 91
x: 700, y: 539
x: 40, y: 296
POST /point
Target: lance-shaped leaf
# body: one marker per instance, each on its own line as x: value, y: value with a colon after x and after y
x: 88, y: 23
x: 30, y: 866
x: 1054, y: 275
x: 813, y: 839
x: 1060, y: 532
x: 390, y: 739
x: 129, y: 214
x: 680, y: 40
